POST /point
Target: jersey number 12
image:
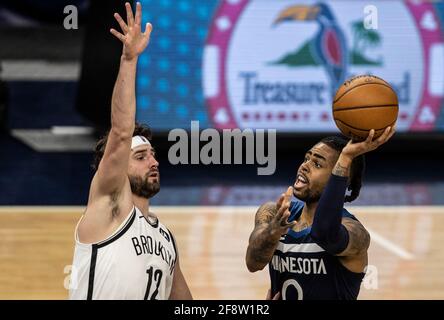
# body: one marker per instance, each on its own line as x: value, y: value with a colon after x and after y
x: 157, y: 275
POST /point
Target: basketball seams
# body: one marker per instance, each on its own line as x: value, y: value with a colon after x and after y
x: 366, y: 107
x: 360, y: 85
x: 365, y: 130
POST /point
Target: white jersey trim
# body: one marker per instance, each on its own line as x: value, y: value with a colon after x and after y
x: 302, y: 247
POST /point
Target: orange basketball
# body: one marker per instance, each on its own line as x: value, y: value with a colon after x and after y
x: 363, y: 103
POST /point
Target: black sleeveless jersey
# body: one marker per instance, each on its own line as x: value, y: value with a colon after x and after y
x: 301, y: 270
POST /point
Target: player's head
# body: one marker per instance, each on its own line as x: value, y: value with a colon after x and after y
x: 313, y: 174
x: 143, y: 168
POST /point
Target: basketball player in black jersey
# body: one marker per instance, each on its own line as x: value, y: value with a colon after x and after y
x: 314, y: 247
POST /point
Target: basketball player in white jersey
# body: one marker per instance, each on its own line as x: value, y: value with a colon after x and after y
x: 122, y: 251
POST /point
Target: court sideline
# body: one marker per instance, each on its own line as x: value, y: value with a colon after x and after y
x: 405, y: 254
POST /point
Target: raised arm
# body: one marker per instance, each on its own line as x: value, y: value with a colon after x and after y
x: 269, y: 225
x: 344, y: 236
x: 112, y: 171
x: 110, y: 191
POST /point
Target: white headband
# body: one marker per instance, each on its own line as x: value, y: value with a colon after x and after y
x: 139, y: 141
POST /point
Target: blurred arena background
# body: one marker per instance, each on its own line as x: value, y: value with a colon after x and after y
x: 227, y: 65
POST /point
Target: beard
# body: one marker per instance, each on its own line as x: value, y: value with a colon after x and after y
x: 142, y: 187
x: 308, y: 196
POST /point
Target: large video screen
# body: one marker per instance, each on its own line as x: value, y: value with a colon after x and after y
x: 268, y: 64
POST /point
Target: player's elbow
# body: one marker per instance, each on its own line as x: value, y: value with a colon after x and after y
x: 254, y: 267
x: 121, y: 133
x: 366, y: 238
x: 252, y: 264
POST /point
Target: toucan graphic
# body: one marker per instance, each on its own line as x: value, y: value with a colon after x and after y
x: 328, y: 46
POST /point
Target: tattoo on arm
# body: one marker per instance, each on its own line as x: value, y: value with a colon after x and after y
x: 339, y: 170
x: 359, y: 238
x: 262, y: 242
x: 265, y: 213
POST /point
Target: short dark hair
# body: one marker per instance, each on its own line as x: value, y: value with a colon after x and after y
x: 139, y: 130
x: 357, y: 167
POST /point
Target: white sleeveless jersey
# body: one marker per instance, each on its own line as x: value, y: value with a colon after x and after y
x: 136, y: 262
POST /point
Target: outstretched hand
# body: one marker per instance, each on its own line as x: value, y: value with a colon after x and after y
x: 354, y: 149
x: 133, y: 39
x: 279, y: 223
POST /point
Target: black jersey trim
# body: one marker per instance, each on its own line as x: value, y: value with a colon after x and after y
x: 95, y: 248
x: 92, y: 270
x: 174, y: 242
x: 174, y: 246
x: 154, y: 225
x: 118, y: 234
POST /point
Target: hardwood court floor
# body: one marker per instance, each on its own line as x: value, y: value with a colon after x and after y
x: 406, y: 253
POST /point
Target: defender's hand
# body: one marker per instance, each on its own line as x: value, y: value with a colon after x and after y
x: 133, y: 39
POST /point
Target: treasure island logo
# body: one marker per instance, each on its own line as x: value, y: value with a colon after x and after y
x: 277, y: 65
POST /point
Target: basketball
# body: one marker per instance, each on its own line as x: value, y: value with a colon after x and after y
x: 363, y: 103
x: 228, y: 150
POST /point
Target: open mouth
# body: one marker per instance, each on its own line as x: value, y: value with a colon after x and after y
x: 153, y: 174
x: 301, y: 181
